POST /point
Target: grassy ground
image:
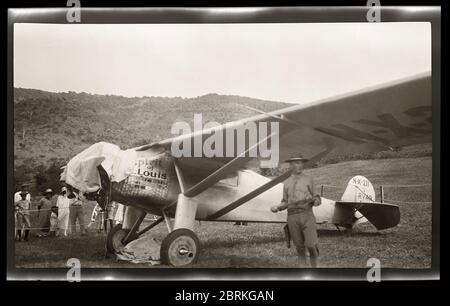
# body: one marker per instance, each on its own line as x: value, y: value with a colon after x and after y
x: 262, y: 245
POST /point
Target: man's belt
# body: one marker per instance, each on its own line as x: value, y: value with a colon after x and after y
x: 314, y: 201
x: 299, y: 202
x: 297, y: 210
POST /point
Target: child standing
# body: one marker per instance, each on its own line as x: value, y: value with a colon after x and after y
x: 53, y: 221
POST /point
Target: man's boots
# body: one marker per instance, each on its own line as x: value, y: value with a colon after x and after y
x: 19, y: 235
x: 27, y: 232
x: 302, y: 257
x: 313, y: 256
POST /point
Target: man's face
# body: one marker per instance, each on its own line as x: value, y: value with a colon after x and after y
x: 24, y: 188
x: 297, y: 166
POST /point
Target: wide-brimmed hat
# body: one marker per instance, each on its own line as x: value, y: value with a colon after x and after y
x: 48, y: 190
x: 24, y: 185
x: 296, y: 157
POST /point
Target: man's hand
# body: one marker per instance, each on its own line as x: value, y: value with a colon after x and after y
x: 274, y: 209
x: 317, y: 200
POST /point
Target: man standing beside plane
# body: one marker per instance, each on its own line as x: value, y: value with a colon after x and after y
x: 298, y: 199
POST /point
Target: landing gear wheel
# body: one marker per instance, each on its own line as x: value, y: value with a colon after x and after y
x: 114, y: 239
x: 180, y: 248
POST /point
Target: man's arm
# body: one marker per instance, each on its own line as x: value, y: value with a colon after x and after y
x: 284, y: 202
x: 40, y: 203
x: 310, y: 187
x: 315, y: 198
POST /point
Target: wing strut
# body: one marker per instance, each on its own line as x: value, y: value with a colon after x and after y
x: 249, y: 196
x: 263, y: 188
x: 216, y: 176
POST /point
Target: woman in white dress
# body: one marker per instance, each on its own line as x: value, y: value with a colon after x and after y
x: 63, y: 212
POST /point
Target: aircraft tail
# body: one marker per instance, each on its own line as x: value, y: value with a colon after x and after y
x: 358, y: 205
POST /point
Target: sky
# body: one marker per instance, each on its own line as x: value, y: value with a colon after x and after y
x: 294, y: 63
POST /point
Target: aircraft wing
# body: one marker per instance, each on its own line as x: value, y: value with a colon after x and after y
x: 383, y: 117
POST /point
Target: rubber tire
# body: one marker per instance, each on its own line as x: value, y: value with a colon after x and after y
x: 116, y: 230
x: 167, y: 243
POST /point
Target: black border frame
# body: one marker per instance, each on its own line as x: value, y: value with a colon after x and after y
x: 204, y: 15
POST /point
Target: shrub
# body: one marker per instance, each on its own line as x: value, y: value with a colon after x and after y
x: 49, y: 177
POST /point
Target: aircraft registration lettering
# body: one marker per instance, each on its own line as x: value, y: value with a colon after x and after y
x: 389, y: 122
x: 350, y: 134
x: 385, y: 121
x: 358, y: 181
x: 361, y: 197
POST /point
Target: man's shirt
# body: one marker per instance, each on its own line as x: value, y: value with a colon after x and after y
x: 297, y: 189
x: 44, y: 203
x: 23, y: 206
x: 76, y: 200
x: 17, y: 197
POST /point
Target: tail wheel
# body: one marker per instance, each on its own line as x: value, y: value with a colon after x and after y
x: 115, y: 237
x: 180, y: 248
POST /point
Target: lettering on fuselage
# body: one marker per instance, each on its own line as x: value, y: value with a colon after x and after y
x: 364, y: 189
x: 150, y: 178
x: 385, y: 121
x: 150, y: 170
x: 357, y: 180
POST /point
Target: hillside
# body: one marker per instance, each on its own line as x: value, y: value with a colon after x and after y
x: 55, y: 126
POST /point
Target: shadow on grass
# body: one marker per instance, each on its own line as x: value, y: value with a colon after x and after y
x: 349, y: 233
x: 235, y: 241
x: 234, y: 261
x: 215, y: 243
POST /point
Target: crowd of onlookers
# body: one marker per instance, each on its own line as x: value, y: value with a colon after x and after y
x: 58, y: 214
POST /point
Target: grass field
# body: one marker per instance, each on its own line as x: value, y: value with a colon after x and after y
x: 262, y: 245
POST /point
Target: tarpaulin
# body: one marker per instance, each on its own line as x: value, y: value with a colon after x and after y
x: 81, y: 171
x: 145, y: 249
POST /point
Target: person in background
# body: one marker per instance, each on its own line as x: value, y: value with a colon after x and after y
x: 44, y: 207
x: 53, y: 221
x: 22, y: 208
x: 111, y: 209
x: 63, y: 212
x: 18, y: 197
x: 97, y: 218
x: 120, y: 213
x: 76, y: 212
x: 23, y: 188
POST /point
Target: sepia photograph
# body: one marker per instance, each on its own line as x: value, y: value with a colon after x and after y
x: 276, y: 145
